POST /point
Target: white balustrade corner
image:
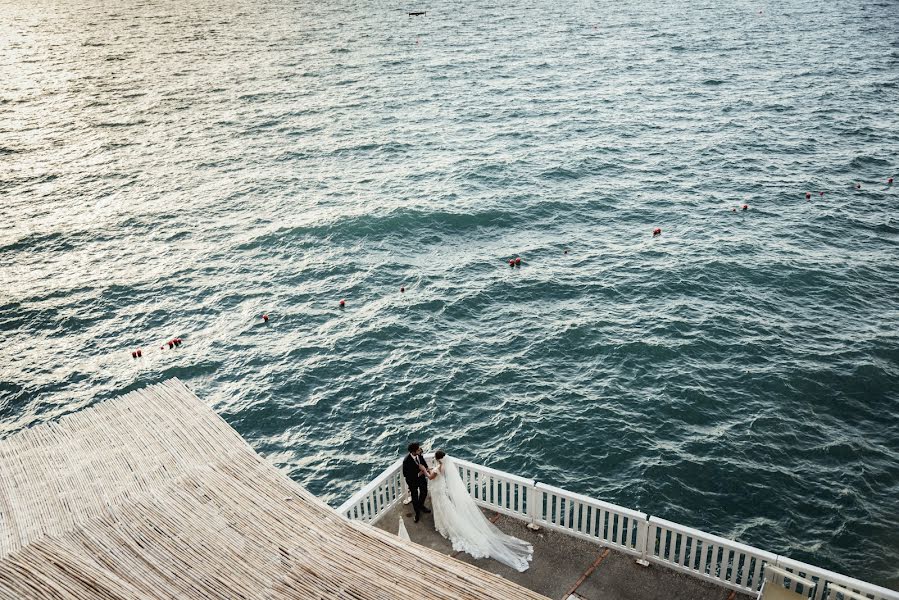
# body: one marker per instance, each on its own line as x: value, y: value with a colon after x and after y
x: 378, y: 497
x: 709, y: 557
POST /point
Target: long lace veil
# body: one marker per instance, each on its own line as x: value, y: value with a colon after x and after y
x: 476, y: 534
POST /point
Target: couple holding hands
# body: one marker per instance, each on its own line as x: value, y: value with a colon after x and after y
x: 456, y: 516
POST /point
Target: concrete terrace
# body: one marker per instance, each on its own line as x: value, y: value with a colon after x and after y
x: 564, y: 565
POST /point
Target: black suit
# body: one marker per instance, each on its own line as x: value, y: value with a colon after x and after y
x: 417, y: 482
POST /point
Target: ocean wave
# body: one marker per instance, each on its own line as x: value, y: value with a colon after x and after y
x: 400, y: 222
x: 861, y: 162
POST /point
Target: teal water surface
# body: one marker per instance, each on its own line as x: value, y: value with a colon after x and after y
x: 180, y: 168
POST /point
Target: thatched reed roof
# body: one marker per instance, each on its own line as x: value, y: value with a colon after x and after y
x: 153, y: 495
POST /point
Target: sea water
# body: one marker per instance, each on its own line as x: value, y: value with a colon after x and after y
x: 178, y: 169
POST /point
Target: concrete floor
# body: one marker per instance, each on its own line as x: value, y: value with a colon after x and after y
x: 561, y: 562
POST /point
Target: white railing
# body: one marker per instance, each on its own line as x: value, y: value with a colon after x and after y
x: 377, y: 498
x: 607, y: 524
x: 501, y: 492
x: 824, y: 577
x: 738, y: 566
x: 709, y: 557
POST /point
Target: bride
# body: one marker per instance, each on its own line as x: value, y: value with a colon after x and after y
x: 458, y: 519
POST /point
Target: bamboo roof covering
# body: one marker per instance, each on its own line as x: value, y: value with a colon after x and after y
x: 152, y: 495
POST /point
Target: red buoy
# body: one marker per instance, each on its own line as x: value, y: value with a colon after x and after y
x: 518, y: 261
x: 511, y: 262
x: 171, y: 344
x: 342, y: 303
x: 733, y: 210
x: 134, y: 355
x: 566, y: 252
x: 808, y: 195
x: 890, y: 181
x: 403, y: 290
x: 139, y: 353
x: 656, y: 231
x: 821, y: 194
x: 745, y: 206
x: 858, y: 186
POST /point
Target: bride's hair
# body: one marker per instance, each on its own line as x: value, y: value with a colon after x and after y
x: 439, y: 454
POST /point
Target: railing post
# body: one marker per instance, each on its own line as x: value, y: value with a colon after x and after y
x: 532, y: 505
x: 643, y: 541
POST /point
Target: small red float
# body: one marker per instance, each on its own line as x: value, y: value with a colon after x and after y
x: 566, y: 252
x: 808, y: 195
x: 858, y: 186
x: 656, y: 231
x: 134, y: 355
x: 342, y: 303
x: 518, y: 261
x: 139, y: 353
x: 403, y: 290
x: 745, y: 206
x: 821, y: 194
x: 511, y: 262
x: 890, y: 181
x: 265, y: 318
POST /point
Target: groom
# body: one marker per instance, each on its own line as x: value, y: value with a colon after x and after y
x: 415, y: 470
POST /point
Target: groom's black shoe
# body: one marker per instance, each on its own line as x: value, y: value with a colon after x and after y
x: 425, y: 510
x: 417, y: 516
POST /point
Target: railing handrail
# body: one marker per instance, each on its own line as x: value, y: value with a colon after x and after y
x: 628, y: 512
x: 495, y: 472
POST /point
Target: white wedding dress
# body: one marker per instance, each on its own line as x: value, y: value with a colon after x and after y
x: 458, y: 519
